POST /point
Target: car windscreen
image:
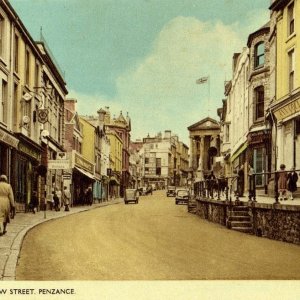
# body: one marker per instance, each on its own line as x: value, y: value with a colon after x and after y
x: 182, y: 193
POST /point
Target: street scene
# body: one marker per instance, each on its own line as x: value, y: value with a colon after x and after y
x: 149, y: 140
x: 152, y: 240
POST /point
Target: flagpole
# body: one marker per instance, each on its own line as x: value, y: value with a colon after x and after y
x: 206, y: 80
x: 208, y: 100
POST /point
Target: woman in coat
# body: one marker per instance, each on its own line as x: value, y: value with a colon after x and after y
x: 292, y: 182
x: 6, y: 203
x: 282, y: 182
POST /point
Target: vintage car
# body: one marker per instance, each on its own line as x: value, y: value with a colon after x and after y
x: 171, y: 191
x: 131, y: 195
x: 182, y: 196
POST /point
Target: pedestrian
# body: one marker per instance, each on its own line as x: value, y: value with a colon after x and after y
x: 251, y: 182
x: 34, y: 202
x: 292, y: 182
x: 211, y: 184
x: 282, y: 182
x: 56, y: 201
x: 66, y: 198
x: 89, y: 196
x: 7, y: 203
x: 240, y: 182
x: 58, y: 193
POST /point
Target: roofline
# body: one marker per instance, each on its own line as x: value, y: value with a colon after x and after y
x: 20, y: 26
x: 278, y: 4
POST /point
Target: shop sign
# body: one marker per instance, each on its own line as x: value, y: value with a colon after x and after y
x: 83, y: 163
x: 29, y: 151
x: 61, y: 164
x: 8, y: 139
x: 258, y: 137
x: 288, y: 110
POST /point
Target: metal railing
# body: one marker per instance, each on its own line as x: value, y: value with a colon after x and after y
x: 223, y: 188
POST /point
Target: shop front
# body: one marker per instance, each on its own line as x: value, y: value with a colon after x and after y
x: 7, y: 144
x: 287, y: 114
x: 83, y: 177
x: 259, y: 156
x: 25, y: 177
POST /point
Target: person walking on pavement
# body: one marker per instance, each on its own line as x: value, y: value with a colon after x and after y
x: 7, y: 203
x: 58, y: 193
x: 56, y: 201
x: 66, y: 198
x: 292, y: 182
x: 34, y: 202
x: 282, y: 182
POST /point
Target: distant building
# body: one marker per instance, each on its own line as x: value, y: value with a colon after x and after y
x: 204, y: 147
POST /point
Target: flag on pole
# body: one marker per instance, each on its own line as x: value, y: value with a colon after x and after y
x: 202, y: 80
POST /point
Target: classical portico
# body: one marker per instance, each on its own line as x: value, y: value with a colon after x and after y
x: 204, y: 144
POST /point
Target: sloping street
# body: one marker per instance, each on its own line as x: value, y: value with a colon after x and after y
x: 152, y: 240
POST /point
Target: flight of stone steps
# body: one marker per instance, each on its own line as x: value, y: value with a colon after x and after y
x: 192, y: 205
x: 240, y: 220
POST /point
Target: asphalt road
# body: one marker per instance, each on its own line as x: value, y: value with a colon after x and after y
x: 152, y: 240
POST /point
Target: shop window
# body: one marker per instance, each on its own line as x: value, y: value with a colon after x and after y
x: 259, y: 102
x: 259, y: 55
x: 258, y: 165
x: 297, y: 126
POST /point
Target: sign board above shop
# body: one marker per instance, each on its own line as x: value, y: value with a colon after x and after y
x: 61, y: 164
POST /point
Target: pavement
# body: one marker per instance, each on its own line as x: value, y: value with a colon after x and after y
x: 11, y: 242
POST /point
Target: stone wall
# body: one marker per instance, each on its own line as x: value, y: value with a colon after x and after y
x: 212, y: 210
x: 277, y: 222
x: 280, y: 223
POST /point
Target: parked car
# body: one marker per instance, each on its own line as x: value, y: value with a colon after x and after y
x: 182, y: 196
x: 131, y: 195
x: 171, y: 191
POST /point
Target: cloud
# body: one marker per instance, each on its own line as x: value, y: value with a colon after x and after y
x: 160, y: 92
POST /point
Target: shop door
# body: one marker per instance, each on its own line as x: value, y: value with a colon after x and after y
x: 21, y: 184
x: 258, y: 165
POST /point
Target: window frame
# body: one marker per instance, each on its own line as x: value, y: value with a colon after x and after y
x: 259, y: 101
x: 257, y: 56
x: 291, y: 18
x: 291, y: 69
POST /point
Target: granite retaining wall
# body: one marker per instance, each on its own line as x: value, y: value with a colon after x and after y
x: 274, y: 221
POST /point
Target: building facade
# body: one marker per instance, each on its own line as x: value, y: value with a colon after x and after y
x: 285, y: 106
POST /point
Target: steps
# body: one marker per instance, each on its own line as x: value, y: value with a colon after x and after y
x: 192, y: 206
x: 239, y: 219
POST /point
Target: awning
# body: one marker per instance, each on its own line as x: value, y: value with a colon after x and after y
x: 85, y: 173
x: 114, y: 180
x: 238, y: 152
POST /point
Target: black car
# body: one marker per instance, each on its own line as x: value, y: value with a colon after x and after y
x: 171, y: 191
x: 182, y: 196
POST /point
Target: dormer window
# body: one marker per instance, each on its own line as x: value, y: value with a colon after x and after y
x: 259, y: 55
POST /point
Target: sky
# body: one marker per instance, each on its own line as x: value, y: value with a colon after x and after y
x: 144, y: 56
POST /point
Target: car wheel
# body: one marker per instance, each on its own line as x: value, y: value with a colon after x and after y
x: 176, y: 202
